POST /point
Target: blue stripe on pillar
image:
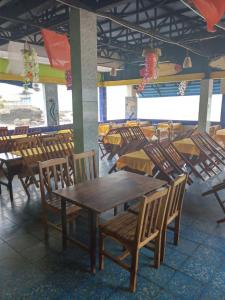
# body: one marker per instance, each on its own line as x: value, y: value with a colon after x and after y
x: 102, y: 104
x: 222, y: 116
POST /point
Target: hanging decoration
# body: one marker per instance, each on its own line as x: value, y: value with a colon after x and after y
x: 182, y: 87
x: 68, y: 76
x: 150, y: 71
x: 211, y: 10
x: 58, y: 49
x: 187, y: 61
x: 31, y: 68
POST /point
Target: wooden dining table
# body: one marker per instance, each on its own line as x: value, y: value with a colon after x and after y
x: 101, y: 195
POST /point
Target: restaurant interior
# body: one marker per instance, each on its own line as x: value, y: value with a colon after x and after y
x: 112, y: 149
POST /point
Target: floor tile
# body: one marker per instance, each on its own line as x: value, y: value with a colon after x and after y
x: 184, y: 287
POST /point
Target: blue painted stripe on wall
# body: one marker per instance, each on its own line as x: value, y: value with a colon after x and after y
x: 171, y: 89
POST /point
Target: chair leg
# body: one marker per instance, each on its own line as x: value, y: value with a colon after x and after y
x: 163, y: 245
x: 101, y: 249
x: 157, y: 251
x: 176, y: 230
x: 133, y: 272
x: 25, y: 187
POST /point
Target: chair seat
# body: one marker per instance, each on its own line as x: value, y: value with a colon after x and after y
x: 122, y: 227
x: 55, y: 204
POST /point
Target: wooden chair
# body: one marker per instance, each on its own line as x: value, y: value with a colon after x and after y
x: 4, y: 134
x: 32, y: 152
x: 54, y: 174
x: 180, y: 160
x: 20, y: 130
x: 52, y: 147
x: 106, y: 148
x: 215, y: 190
x: 174, y: 209
x: 84, y: 166
x: 185, y: 134
x: 136, y: 231
x: 164, y: 167
x: 207, y: 157
x: 213, y: 145
x: 139, y: 135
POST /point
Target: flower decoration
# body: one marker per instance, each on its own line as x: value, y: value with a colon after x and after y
x: 31, y: 66
x: 182, y: 87
x: 150, y: 71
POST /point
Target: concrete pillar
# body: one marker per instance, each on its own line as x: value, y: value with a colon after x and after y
x: 222, y: 115
x: 131, y: 103
x: 205, y: 104
x: 83, y: 40
x: 103, y: 104
x: 52, y: 104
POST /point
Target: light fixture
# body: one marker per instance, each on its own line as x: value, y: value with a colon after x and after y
x: 187, y: 61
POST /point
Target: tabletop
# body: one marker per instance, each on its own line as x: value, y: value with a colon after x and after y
x: 105, y: 193
x: 8, y: 156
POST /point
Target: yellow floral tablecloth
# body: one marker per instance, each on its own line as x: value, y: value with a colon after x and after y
x: 137, y: 160
x: 176, y: 126
x: 132, y: 123
x: 103, y: 129
x: 186, y: 146
x: 148, y: 131
x: 220, y: 136
x: 113, y: 139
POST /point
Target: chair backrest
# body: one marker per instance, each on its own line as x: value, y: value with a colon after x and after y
x: 66, y: 140
x: 53, y: 147
x: 126, y: 135
x: 169, y: 150
x: 161, y: 162
x: 84, y: 166
x: 4, y: 134
x: 30, y: 149
x: 54, y: 174
x: 138, y: 134
x: 151, y: 216
x: 176, y: 196
x: 19, y: 130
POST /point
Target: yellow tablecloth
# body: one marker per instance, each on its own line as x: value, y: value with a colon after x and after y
x: 148, y: 131
x: 176, y: 126
x: 220, y: 135
x: 113, y: 139
x: 103, y: 129
x: 38, y: 150
x: 132, y: 123
x: 64, y: 131
x: 186, y: 146
x: 14, y: 137
x: 137, y: 160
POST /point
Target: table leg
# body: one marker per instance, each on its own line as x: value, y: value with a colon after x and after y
x: 93, y: 237
x: 10, y: 188
x: 64, y: 227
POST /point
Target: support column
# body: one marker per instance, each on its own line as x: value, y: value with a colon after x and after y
x: 52, y: 104
x: 103, y: 104
x: 131, y: 103
x: 83, y: 40
x: 222, y: 115
x: 205, y: 104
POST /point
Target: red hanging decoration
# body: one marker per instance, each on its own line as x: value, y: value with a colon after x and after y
x: 211, y: 10
x: 58, y: 49
x: 150, y: 71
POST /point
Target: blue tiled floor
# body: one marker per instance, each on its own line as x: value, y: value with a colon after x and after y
x: 29, y: 269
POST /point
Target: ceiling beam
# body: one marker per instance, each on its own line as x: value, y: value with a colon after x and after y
x: 134, y: 27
